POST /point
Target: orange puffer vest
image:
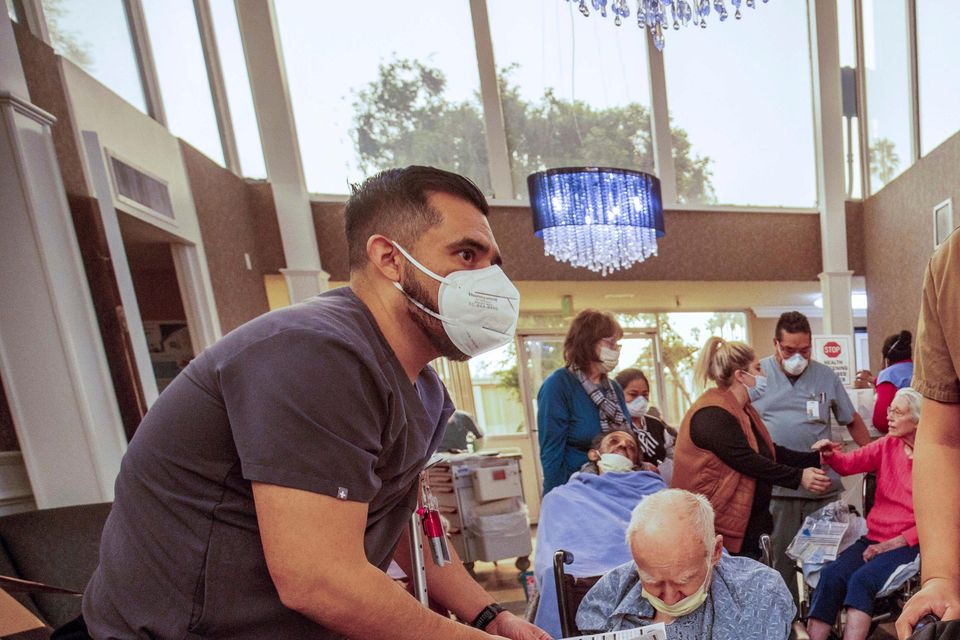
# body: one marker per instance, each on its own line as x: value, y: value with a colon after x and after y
x: 701, y: 471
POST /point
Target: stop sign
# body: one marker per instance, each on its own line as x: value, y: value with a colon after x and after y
x: 832, y: 349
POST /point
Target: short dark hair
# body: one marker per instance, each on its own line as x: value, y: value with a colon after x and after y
x: 628, y: 375
x: 598, y: 439
x: 394, y: 203
x: 587, y: 329
x: 898, y: 347
x: 792, y: 322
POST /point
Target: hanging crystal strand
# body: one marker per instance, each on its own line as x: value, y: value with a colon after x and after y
x: 736, y: 3
x: 673, y: 14
x: 721, y: 9
x: 584, y: 11
x: 751, y: 4
x: 641, y: 14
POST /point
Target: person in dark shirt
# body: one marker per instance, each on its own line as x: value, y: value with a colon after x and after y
x: 460, y: 424
x: 270, y: 485
x: 725, y: 452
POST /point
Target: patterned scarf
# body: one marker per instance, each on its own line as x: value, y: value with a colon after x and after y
x: 605, y: 398
x: 648, y: 444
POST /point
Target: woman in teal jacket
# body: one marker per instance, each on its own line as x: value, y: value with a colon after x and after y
x: 579, y: 401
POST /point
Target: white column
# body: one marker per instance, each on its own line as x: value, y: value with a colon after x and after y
x: 281, y: 149
x: 835, y: 281
x: 660, y: 124
x: 54, y: 369
x: 501, y: 176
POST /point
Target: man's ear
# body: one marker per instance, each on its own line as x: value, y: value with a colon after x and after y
x: 384, y: 257
x: 593, y: 455
x: 717, y: 549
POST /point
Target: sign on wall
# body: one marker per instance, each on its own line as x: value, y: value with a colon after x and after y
x: 837, y: 353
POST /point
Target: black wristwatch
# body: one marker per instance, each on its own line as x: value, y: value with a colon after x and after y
x: 486, y: 616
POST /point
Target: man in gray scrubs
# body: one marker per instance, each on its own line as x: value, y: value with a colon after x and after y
x: 269, y: 486
x: 796, y: 406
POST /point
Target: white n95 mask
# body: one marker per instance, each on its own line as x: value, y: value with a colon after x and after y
x: 478, y: 308
x: 795, y: 364
x: 614, y: 462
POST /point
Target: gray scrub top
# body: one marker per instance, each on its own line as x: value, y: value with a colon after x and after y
x: 798, y: 414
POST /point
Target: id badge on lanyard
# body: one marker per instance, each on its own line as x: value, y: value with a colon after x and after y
x: 813, y: 408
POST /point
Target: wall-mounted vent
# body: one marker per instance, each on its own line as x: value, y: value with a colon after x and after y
x: 142, y: 189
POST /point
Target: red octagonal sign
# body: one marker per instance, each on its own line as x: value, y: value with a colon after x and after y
x: 832, y: 349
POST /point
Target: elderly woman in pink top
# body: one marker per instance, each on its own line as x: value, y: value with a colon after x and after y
x: 853, y: 580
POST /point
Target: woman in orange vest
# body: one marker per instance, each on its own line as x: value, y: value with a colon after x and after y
x: 725, y: 452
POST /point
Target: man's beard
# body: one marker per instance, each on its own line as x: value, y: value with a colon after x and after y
x: 430, y: 326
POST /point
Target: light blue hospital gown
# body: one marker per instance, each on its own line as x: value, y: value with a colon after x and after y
x: 747, y: 601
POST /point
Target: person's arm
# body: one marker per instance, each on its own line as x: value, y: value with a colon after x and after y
x: 885, y: 393
x: 715, y: 430
x: 861, y: 460
x: 313, y: 545
x: 858, y: 430
x: 453, y: 588
x: 798, y: 459
x: 553, y: 423
x: 936, y: 483
x: 846, y: 414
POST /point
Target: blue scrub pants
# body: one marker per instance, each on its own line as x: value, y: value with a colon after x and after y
x: 848, y: 581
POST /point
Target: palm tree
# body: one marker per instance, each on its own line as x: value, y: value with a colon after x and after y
x: 884, y: 160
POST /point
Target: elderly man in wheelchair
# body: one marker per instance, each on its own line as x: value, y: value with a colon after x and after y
x: 860, y: 573
x: 681, y: 576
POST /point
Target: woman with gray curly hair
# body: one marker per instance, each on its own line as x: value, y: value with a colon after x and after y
x: 854, y: 578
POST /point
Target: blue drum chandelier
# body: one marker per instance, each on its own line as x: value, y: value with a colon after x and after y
x: 599, y: 218
x: 660, y: 15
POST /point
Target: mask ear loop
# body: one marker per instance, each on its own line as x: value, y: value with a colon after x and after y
x: 417, y: 303
x: 418, y: 265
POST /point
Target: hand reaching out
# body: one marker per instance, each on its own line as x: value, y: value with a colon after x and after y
x: 815, y: 480
x: 827, y: 448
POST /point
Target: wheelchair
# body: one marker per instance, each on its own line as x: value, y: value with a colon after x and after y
x: 886, y: 608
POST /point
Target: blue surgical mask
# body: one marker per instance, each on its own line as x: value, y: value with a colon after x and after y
x: 760, y: 383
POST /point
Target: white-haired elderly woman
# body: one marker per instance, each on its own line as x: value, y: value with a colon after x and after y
x: 854, y: 578
x: 681, y: 576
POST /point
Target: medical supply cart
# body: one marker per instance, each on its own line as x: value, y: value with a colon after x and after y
x: 481, y: 498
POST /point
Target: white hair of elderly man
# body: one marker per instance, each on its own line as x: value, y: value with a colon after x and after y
x: 663, y: 511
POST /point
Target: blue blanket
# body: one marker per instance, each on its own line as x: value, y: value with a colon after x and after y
x: 587, y: 516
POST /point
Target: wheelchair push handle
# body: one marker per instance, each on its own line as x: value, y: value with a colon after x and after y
x: 925, y: 621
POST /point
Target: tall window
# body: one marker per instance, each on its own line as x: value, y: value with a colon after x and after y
x: 938, y: 50
x: 886, y: 60
x: 494, y: 377
x: 182, y: 72
x: 851, y: 123
x: 740, y: 92
x: 391, y: 85
x: 95, y: 36
x: 237, y: 81
x: 575, y: 91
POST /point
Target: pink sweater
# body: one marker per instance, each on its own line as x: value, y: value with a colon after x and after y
x: 892, y: 512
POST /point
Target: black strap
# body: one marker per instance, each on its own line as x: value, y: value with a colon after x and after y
x: 486, y: 616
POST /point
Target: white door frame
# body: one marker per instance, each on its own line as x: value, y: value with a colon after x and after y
x: 121, y: 266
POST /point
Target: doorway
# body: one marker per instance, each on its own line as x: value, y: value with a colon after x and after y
x: 159, y: 294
